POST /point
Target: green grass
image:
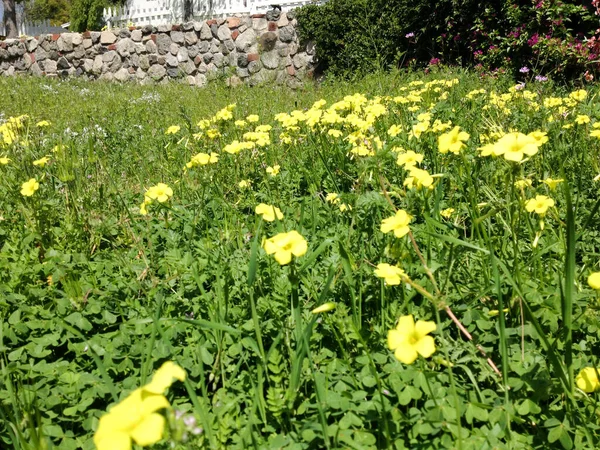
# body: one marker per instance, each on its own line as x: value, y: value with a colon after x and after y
x: 95, y: 296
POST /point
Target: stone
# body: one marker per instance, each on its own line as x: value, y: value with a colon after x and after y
x: 32, y: 44
x: 229, y: 45
x: 151, y: 47
x: 201, y: 80
x: 173, y: 72
x: 193, y: 51
x: 283, y: 20
x: 163, y: 42
x: 95, y: 37
x: 270, y: 59
x: 62, y: 63
x: 191, y: 38
x: 136, y: 35
x: 88, y: 64
x: 148, y: 29
x: 188, y: 67
x: 205, y: 33
x: 36, y: 70
x: 218, y: 59
x: 140, y: 74
x: 214, y: 29
x: 171, y: 60
x: 164, y: 28
x: 233, y: 22
x: 124, y: 33
x: 287, y: 34
x: 272, y: 26
x: 177, y: 37
x: 246, y: 40
x: 143, y: 62
x: 191, y: 80
x: 188, y: 26
x: 259, y: 24
x: 87, y: 43
x: 267, y: 41
x: 253, y: 67
x: 78, y: 52
x: 125, y: 47
x: 273, y: 14
x: 122, y: 75
x: 204, y: 46
x: 215, y: 46
x: 157, y: 72
x: 202, y: 68
x: 106, y: 38
x: 40, y: 54
x: 50, y: 66
x: 173, y: 49
x: 98, y: 64
x: 207, y: 57
x: 242, y: 73
x: 139, y: 48
x: 107, y: 76
x: 301, y: 60
x: 65, y: 42
x: 77, y: 38
x: 109, y: 56
x: 182, y: 55
x: 223, y: 33
x: 290, y: 70
x: 242, y: 60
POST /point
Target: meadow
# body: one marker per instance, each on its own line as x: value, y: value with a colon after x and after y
x: 406, y: 261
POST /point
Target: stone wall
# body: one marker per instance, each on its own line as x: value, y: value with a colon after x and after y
x: 253, y: 49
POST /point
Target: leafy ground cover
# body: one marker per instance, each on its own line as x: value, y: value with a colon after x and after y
x: 402, y: 262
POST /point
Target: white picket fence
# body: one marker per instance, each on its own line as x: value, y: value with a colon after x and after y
x: 34, y: 29
x: 161, y: 12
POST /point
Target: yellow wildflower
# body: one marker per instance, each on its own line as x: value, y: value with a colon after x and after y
x: 244, y: 184
x: 594, y: 280
x: 582, y: 119
x: 284, y: 245
x: 161, y: 192
x: 539, y: 204
x: 29, y: 187
x: 273, y: 171
x: 395, y: 130
x: 268, y: 212
x: 409, y: 339
x: 522, y: 184
x: 398, y: 223
x: 409, y: 159
x: 41, y: 162
x: 514, y: 146
x: 392, y: 275
x: 4, y: 160
x: 587, y: 380
x: 252, y: 118
x: 173, y: 129
x: 552, y: 183
x: 452, y: 141
x: 447, y: 213
x: 418, y: 178
x: 42, y: 123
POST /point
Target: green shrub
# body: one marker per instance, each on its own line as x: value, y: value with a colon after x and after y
x: 357, y: 36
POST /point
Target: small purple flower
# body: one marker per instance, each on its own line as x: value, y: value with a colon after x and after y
x: 541, y: 78
x: 434, y: 61
x: 524, y: 69
x: 520, y: 86
x: 410, y: 35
